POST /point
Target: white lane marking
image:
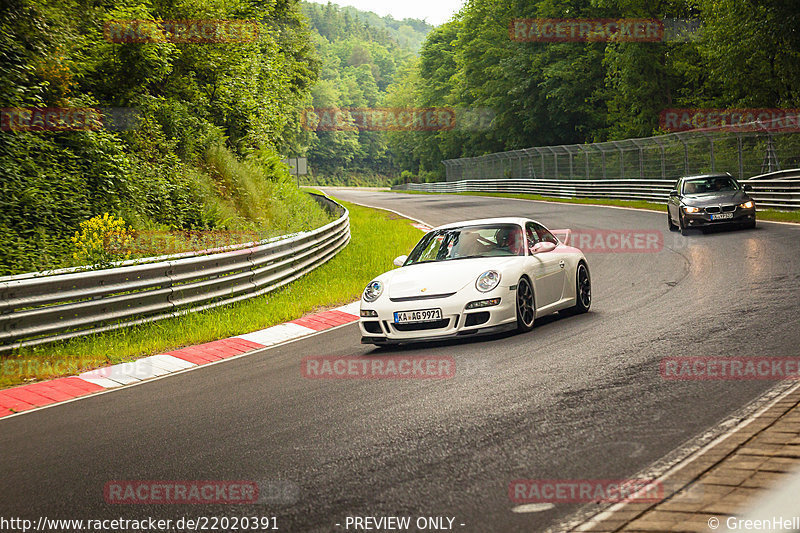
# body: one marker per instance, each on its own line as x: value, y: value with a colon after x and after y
x: 532, y: 508
x: 159, y: 364
x: 120, y: 373
x: 147, y: 368
x: 277, y: 334
x: 116, y: 376
x: 175, y: 362
x: 103, y: 382
x: 126, y: 373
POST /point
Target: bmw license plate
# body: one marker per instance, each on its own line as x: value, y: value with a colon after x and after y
x: 723, y: 216
x: 413, y: 317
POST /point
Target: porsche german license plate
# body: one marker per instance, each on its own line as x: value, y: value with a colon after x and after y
x: 412, y: 317
x: 723, y: 216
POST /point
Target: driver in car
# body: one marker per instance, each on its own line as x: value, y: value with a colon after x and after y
x: 510, y: 239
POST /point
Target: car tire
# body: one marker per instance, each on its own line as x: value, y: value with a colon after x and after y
x: 526, y: 305
x: 583, y: 289
x: 672, y: 226
x: 682, y: 226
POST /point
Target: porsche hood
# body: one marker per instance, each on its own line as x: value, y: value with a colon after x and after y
x: 444, y: 277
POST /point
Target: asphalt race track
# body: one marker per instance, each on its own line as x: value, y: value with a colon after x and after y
x: 577, y: 398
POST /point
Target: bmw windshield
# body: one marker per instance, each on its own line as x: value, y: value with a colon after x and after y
x: 473, y: 241
x: 711, y: 185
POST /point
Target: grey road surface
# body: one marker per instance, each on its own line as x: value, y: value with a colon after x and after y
x: 577, y: 398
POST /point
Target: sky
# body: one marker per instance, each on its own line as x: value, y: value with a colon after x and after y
x: 434, y: 11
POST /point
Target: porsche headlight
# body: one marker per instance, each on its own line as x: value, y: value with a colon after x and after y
x: 488, y: 281
x: 373, y: 291
x: 747, y: 205
x: 690, y: 209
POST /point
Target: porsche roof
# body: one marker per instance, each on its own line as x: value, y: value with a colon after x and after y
x: 483, y: 221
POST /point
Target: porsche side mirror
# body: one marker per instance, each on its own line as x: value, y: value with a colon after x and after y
x: 673, y: 194
x: 543, y: 247
x: 747, y: 187
x: 400, y: 261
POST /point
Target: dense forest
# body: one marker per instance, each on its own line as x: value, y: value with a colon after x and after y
x: 361, y: 55
x: 744, y: 54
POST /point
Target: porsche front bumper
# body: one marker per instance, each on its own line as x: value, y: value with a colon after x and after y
x: 457, y: 320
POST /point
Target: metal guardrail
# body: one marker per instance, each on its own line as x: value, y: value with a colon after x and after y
x: 774, y: 194
x: 790, y: 174
x: 44, y: 307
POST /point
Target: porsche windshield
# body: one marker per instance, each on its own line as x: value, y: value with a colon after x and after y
x: 471, y: 241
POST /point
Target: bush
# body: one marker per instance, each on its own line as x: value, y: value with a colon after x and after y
x: 102, y: 240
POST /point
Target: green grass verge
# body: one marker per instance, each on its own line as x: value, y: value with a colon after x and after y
x: 377, y: 238
x: 765, y: 214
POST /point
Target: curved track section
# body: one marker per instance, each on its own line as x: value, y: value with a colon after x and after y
x: 577, y: 398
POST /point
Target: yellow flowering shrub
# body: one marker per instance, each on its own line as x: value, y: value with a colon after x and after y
x: 102, y: 240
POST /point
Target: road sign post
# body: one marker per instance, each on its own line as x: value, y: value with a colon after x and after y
x: 298, y: 166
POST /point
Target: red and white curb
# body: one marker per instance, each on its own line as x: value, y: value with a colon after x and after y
x: 45, y: 393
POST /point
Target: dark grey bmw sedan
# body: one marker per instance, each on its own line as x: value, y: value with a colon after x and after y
x: 709, y: 200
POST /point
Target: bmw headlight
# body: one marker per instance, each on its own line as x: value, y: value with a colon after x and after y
x: 373, y: 291
x: 690, y: 209
x: 488, y: 281
x: 747, y: 205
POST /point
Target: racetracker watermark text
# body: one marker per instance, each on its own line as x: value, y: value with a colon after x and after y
x: 585, y: 490
x: 378, y: 119
x: 735, y: 120
x: 730, y: 368
x: 180, y: 492
x: 586, y: 30
x: 395, y: 367
x: 600, y: 241
x: 66, y: 119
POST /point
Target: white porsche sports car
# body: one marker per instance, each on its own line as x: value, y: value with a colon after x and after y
x: 473, y: 278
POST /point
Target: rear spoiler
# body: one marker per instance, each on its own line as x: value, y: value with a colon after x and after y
x: 563, y: 235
